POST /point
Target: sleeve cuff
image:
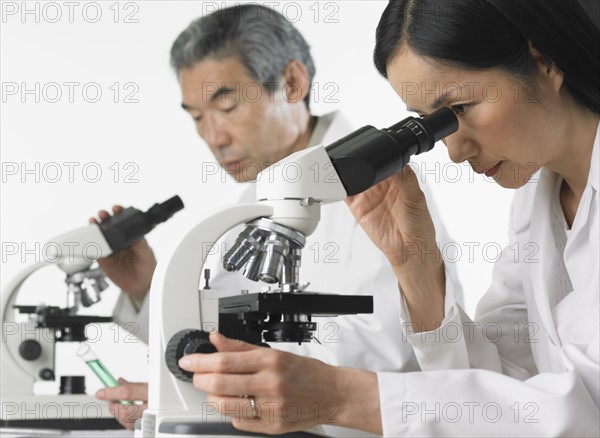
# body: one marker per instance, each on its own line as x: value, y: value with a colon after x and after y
x: 444, y: 347
x: 134, y: 320
x: 450, y: 310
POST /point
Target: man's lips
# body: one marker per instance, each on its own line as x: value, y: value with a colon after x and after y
x: 231, y: 165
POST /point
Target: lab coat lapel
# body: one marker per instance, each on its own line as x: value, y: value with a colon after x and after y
x: 545, y: 290
x: 583, y: 234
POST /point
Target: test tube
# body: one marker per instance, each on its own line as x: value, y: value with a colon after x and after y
x: 86, y: 353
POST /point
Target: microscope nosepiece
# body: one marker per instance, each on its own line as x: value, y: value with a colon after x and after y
x: 268, y: 251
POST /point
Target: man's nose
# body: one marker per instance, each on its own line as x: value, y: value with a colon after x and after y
x: 214, y: 133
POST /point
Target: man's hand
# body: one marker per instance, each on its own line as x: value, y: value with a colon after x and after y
x: 126, y: 414
x: 132, y: 268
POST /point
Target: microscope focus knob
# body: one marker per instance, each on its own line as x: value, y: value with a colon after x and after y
x: 182, y: 343
x: 30, y: 349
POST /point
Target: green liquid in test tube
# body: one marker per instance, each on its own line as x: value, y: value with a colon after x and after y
x: 103, y: 374
x: 86, y: 353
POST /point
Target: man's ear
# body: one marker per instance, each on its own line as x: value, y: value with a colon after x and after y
x: 547, y: 70
x: 297, y: 81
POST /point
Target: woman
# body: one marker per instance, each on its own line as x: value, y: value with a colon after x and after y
x: 522, y: 76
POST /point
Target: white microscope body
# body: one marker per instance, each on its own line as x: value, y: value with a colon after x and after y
x: 28, y: 351
x: 177, y: 304
x: 289, y: 209
x: 28, y: 347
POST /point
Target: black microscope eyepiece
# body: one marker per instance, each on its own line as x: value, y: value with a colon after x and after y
x: 369, y: 155
x: 122, y: 229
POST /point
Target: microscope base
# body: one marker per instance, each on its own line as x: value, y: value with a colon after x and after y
x: 64, y: 424
x: 198, y: 429
x: 68, y: 412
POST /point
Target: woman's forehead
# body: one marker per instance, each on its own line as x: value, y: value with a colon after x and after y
x: 421, y: 81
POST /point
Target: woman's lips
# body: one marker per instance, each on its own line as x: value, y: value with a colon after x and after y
x: 493, y: 171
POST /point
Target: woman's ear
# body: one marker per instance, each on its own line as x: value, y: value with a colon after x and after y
x: 297, y: 81
x: 546, y: 70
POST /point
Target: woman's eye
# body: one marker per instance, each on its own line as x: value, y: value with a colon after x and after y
x: 460, y: 110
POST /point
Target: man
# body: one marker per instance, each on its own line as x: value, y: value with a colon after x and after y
x: 216, y: 59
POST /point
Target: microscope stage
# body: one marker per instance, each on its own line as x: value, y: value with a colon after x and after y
x: 305, y: 303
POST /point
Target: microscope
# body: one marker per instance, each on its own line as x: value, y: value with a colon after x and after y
x: 28, y: 346
x: 183, y: 311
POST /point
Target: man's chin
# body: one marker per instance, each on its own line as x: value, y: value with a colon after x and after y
x: 242, y: 177
x: 243, y: 170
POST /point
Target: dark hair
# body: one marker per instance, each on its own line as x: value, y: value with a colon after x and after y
x: 480, y: 34
x: 261, y: 38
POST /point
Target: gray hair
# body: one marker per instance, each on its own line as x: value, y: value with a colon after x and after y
x: 262, y: 39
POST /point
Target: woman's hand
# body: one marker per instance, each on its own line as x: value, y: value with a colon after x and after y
x: 289, y: 392
x: 132, y: 268
x: 395, y: 216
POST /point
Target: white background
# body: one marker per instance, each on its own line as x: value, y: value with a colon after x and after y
x: 154, y: 144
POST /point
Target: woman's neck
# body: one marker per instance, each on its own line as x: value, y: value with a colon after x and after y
x: 574, y: 159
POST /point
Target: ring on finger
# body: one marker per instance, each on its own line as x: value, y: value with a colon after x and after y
x: 253, y: 408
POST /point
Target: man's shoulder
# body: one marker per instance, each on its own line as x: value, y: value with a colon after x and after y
x: 336, y: 126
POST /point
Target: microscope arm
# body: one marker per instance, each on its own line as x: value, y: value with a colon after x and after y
x: 78, y: 249
x: 16, y: 372
x: 176, y: 303
x: 11, y: 291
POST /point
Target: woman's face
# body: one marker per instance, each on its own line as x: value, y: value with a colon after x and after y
x: 504, y: 131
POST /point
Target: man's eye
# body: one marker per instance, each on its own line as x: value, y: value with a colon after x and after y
x: 229, y: 109
x: 461, y: 110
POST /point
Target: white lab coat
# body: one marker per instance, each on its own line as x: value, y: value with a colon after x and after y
x: 536, y: 373
x: 337, y: 258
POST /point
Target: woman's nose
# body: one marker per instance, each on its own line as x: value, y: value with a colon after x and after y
x: 460, y: 147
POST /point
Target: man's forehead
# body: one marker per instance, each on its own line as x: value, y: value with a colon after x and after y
x: 206, y: 78
x: 222, y: 70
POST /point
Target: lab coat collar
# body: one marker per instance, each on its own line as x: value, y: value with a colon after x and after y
x: 547, y: 256
x: 595, y: 164
x: 591, y: 189
x: 522, y: 205
x: 324, y: 122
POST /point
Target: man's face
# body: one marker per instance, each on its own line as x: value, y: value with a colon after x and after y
x: 246, y: 126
